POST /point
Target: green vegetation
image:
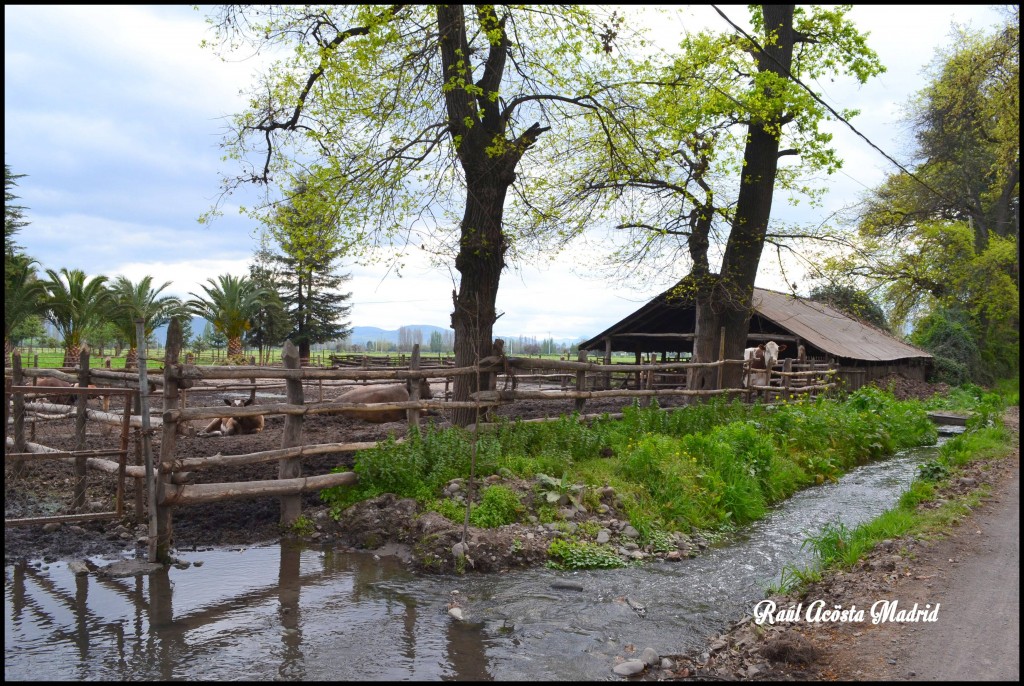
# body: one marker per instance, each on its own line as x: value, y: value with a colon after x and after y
x: 567, y: 554
x: 954, y: 277
x: 706, y: 467
x: 837, y: 546
x: 498, y: 506
x: 302, y: 526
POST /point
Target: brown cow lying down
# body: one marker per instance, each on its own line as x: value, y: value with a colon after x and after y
x: 56, y: 399
x: 391, y: 393
x: 233, y: 426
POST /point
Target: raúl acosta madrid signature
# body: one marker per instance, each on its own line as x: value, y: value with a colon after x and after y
x: 881, y: 611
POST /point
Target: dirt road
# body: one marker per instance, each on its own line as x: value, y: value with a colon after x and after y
x: 972, y: 574
x: 979, y: 637
x: 977, y: 581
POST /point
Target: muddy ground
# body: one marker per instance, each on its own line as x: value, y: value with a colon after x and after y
x: 46, y: 487
x: 795, y: 651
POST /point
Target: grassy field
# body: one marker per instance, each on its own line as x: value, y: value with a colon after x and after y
x: 52, y: 358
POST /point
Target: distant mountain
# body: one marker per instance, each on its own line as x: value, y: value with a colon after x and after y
x: 160, y: 334
x: 362, y: 334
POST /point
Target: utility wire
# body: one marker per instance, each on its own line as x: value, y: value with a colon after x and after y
x: 830, y: 109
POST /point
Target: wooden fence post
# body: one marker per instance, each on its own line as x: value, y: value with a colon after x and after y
x: 140, y: 510
x: 17, y: 377
x: 123, y: 457
x: 291, y: 505
x: 160, y: 515
x: 7, y: 405
x: 638, y: 359
x: 581, y: 382
x: 721, y: 357
x: 414, y: 390
x: 608, y: 360
x: 78, y: 500
x: 787, y: 367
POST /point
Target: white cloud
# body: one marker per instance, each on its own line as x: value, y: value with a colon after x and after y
x: 115, y: 115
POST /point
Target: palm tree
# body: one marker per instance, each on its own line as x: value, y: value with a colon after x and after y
x: 134, y: 301
x: 23, y: 293
x: 229, y: 305
x: 74, y: 305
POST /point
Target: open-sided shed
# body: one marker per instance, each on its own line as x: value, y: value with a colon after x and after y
x: 860, y: 351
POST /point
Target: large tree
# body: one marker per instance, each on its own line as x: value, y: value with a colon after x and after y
x: 23, y: 296
x: 74, y: 304
x: 229, y: 305
x: 14, y: 215
x: 696, y: 183
x: 852, y: 301
x: 941, y: 241
x: 140, y: 300
x: 415, y: 119
x: 307, y: 281
x: 22, y: 290
x: 271, y: 324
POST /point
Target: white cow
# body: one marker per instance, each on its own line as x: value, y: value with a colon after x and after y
x: 761, y: 360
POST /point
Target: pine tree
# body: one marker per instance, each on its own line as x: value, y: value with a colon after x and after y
x: 307, y: 280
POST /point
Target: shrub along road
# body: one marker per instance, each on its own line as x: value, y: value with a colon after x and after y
x: 973, y: 573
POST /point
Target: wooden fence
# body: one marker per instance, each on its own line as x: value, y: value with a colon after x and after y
x: 171, y: 479
x: 19, y: 450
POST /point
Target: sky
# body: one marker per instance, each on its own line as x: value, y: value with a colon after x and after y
x: 115, y: 115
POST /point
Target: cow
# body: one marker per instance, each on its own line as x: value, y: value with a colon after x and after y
x: 235, y: 426
x: 761, y: 360
x: 391, y: 393
x: 56, y: 399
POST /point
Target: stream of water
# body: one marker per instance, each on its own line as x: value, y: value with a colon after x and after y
x: 286, y: 612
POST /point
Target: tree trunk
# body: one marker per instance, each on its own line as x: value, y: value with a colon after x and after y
x: 476, y: 123
x: 480, y: 261
x: 131, y: 361
x: 234, y: 348
x: 705, y: 331
x: 730, y: 298
x: 71, y: 353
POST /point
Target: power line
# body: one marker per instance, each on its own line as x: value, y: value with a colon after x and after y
x: 830, y: 109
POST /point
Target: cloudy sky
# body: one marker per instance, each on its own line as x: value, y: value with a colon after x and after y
x: 115, y: 114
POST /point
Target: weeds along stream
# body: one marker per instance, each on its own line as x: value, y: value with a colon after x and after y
x: 285, y: 611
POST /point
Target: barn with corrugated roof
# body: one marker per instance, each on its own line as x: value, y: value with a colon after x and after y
x: 860, y: 351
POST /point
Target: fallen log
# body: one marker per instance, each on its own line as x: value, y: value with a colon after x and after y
x: 211, y: 493
x: 105, y: 417
x: 219, y: 460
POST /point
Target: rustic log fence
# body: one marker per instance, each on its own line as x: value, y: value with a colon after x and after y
x: 172, y: 480
x: 19, y: 450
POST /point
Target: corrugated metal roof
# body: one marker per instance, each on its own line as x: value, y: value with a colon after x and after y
x: 823, y: 327
x: 831, y: 330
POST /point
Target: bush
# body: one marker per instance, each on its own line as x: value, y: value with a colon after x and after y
x: 948, y: 370
x: 579, y: 555
x: 498, y: 506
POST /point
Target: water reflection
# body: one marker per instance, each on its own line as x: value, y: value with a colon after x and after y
x: 288, y: 613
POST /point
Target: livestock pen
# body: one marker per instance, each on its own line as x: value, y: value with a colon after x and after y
x: 20, y: 450
x: 175, y: 478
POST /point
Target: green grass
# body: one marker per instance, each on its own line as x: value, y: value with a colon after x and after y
x: 837, y: 546
x: 707, y: 467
